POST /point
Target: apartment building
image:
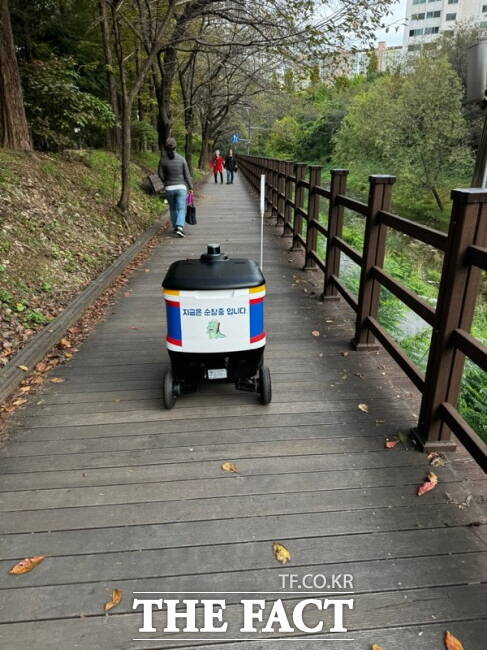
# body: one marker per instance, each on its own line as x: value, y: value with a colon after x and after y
x: 427, y: 19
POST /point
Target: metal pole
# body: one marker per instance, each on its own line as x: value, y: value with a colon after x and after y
x: 262, y: 210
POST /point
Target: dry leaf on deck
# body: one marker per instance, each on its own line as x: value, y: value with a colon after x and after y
x: 432, y: 478
x: 56, y: 380
x: 376, y: 647
x: 315, y: 333
x: 344, y: 354
x: 281, y: 553
x: 24, y: 368
x: 390, y: 444
x: 19, y: 402
x: 363, y: 407
x: 436, y: 460
x: 64, y: 343
x: 25, y: 389
x: 229, y: 467
x: 452, y: 643
x: 24, y: 566
x: 116, y: 600
x: 426, y: 487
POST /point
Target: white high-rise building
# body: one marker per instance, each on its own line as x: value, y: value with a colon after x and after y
x: 427, y: 19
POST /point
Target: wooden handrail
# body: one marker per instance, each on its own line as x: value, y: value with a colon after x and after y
x: 465, y: 250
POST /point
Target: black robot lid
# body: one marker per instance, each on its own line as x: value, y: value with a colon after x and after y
x: 213, y: 271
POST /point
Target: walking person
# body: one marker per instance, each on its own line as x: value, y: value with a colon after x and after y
x: 230, y: 166
x: 217, y: 164
x: 174, y: 173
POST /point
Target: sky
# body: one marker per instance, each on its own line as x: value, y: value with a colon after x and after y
x: 395, y: 20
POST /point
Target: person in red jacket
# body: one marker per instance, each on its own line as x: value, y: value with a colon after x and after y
x: 217, y: 164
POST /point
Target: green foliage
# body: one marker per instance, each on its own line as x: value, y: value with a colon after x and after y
x: 284, y: 137
x: 143, y: 134
x: 411, y: 125
x: 36, y: 317
x: 59, y: 113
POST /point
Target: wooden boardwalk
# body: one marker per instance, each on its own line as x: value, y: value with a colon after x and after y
x: 119, y: 493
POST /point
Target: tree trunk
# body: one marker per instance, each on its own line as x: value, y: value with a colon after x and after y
x: 163, y: 95
x: 438, y: 200
x: 114, y: 136
x: 204, y: 159
x: 188, y: 148
x: 14, y: 130
x: 125, y: 151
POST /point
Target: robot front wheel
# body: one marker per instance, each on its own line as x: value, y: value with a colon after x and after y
x: 264, y: 386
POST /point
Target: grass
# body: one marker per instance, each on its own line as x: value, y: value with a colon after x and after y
x: 59, y: 229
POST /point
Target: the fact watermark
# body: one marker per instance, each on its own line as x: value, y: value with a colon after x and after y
x: 308, y: 604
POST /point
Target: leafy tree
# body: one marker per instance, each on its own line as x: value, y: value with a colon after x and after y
x: 284, y: 137
x: 412, y: 126
x: 59, y: 113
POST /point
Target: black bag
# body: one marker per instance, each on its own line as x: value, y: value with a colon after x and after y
x: 191, y: 215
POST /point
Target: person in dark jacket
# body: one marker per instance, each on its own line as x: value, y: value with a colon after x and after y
x: 174, y: 173
x: 230, y: 166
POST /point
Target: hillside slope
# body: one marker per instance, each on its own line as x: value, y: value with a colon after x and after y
x: 58, y: 231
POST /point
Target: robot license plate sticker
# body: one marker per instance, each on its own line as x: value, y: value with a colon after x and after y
x: 215, y: 321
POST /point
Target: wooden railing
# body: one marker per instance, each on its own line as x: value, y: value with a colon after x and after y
x: 465, y: 256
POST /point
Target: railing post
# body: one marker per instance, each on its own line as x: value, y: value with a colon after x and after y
x: 459, y: 287
x: 338, y: 185
x: 266, y: 168
x: 373, y: 255
x: 281, y: 184
x: 313, y: 213
x: 274, y: 177
x: 288, y: 191
x: 299, y: 173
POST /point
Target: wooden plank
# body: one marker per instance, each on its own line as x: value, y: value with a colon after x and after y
x: 161, y: 491
x: 70, y: 569
x: 221, y: 509
x: 213, y: 453
x: 62, y: 601
x: 409, y: 607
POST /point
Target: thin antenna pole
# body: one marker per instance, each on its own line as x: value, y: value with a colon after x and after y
x: 262, y: 210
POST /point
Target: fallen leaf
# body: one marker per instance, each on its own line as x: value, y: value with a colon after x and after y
x: 390, y: 444
x: 116, y: 600
x: 376, y: 647
x: 38, y: 380
x: 344, y: 354
x: 436, y: 460
x: 24, y: 368
x: 281, y: 553
x: 363, y: 407
x: 24, y: 566
x: 432, y: 478
x: 57, y: 380
x: 64, y: 343
x: 25, y: 389
x: 426, y: 487
x: 229, y: 467
x: 19, y: 402
x: 315, y: 333
x: 452, y: 643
